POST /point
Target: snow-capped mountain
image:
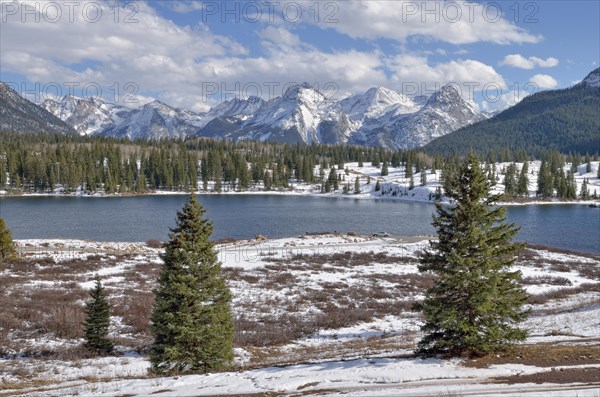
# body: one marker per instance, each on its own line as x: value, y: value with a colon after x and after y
x: 376, y: 102
x: 17, y: 114
x: 445, y: 111
x: 154, y: 120
x: 237, y: 108
x: 592, y: 80
x: 293, y: 117
x: 377, y: 117
x: 87, y: 116
x: 301, y: 114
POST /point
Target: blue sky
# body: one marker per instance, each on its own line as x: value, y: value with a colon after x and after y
x: 194, y: 54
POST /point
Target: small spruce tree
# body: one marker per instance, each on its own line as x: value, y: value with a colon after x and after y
x: 356, y: 186
x: 97, y: 321
x: 191, y: 320
x: 7, y: 246
x: 475, y: 304
x: 384, y: 168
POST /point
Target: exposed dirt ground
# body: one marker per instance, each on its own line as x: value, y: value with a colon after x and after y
x: 570, y: 375
x: 542, y: 355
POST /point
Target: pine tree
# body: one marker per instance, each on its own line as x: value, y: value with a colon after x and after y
x: 476, y: 302
x: 191, y: 320
x: 377, y: 186
x: 510, y: 182
x: 423, y: 177
x: 7, y: 246
x: 333, y: 179
x: 523, y: 182
x: 356, y: 186
x: 384, y: 168
x: 585, y: 194
x: 97, y: 321
x: 588, y: 163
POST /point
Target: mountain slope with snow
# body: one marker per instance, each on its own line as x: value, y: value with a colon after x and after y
x: 444, y: 112
x: 378, y: 117
x: 154, y: 120
x: 87, y: 116
x: 17, y: 114
x: 592, y: 80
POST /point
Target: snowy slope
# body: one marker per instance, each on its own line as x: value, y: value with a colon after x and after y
x: 378, y: 117
x: 87, y: 116
x: 444, y: 112
x: 154, y: 120
x: 17, y: 114
x: 295, y: 116
x: 375, y: 103
x: 592, y: 79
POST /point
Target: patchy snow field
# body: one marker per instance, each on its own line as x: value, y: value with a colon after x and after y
x: 316, y: 314
x: 395, y: 186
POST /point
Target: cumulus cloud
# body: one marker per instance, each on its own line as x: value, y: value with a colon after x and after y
x: 471, y: 75
x: 279, y: 35
x: 544, y: 81
x: 184, y: 7
x: 501, y: 100
x: 519, y: 61
x: 451, y: 22
x: 182, y: 65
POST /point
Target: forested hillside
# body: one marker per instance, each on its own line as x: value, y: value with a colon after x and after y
x: 564, y: 120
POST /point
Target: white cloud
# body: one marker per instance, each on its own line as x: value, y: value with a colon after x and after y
x: 471, y: 75
x: 184, y: 7
x: 175, y: 63
x: 505, y: 100
x: 543, y: 81
x: 451, y: 22
x: 280, y: 36
x: 519, y: 61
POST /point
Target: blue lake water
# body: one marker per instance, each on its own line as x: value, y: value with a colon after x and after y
x: 575, y: 227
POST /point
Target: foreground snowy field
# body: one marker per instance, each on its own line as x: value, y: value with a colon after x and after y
x: 315, y: 315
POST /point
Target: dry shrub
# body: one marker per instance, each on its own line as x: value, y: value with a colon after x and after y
x: 225, y: 240
x: 135, y: 309
x: 561, y: 293
x: 65, y: 320
x: 154, y: 243
x: 548, y: 280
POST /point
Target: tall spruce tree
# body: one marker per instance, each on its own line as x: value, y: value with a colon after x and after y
x: 523, y: 181
x: 191, y: 320
x: 357, y: 186
x: 7, y: 246
x: 475, y: 305
x: 97, y: 321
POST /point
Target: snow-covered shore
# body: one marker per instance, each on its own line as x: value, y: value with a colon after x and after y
x: 393, y: 186
x: 292, y: 279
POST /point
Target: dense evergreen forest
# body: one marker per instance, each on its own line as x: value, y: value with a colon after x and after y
x: 42, y: 163
x: 563, y: 120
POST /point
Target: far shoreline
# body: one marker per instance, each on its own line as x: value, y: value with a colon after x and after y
x: 304, y: 193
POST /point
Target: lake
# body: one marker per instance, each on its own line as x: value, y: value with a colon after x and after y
x: 140, y: 218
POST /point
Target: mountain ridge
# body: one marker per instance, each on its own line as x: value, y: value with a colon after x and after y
x: 566, y: 120
x: 17, y: 114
